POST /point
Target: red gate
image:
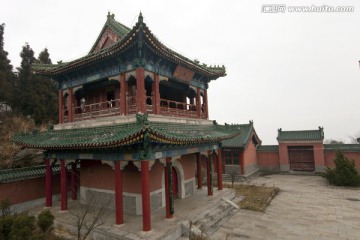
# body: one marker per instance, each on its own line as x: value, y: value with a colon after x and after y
x: 301, y: 158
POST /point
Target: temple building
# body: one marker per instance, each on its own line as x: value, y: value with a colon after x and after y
x: 134, y: 114
x: 239, y: 153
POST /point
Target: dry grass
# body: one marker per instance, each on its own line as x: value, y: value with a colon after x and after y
x: 256, y: 198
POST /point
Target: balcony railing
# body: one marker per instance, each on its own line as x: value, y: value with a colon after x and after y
x: 131, y: 103
x: 177, y: 109
x: 95, y: 110
x: 112, y: 108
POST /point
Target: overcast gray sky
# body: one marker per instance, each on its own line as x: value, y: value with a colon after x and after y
x: 284, y: 70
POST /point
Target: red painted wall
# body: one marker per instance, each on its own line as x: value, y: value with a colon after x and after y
x: 94, y: 174
x: 283, y: 154
x: 330, y: 156
x: 268, y: 160
x: 156, y: 175
x: 188, y: 163
x: 28, y: 190
x: 249, y: 155
x: 319, y: 157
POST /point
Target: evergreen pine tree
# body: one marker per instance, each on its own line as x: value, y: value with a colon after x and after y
x: 344, y: 173
x: 24, y: 87
x: 6, y: 74
x: 36, y: 95
x: 44, y: 57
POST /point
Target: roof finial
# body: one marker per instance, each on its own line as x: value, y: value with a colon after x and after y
x: 140, y: 19
x: 110, y: 15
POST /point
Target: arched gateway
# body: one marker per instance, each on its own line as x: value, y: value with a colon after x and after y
x: 134, y: 114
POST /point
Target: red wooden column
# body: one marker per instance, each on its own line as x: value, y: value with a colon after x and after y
x: 209, y: 175
x: 198, y: 102
x: 48, y: 178
x: 156, y: 96
x: 168, y: 189
x: 206, y: 110
x: 73, y: 182
x: 63, y: 185
x: 70, y: 106
x: 145, y: 193
x: 118, y: 194
x: 198, y: 167
x: 140, y: 91
x: 219, y: 170
x: 123, y: 109
x: 61, y: 107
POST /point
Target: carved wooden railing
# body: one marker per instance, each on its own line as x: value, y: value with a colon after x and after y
x: 177, y: 109
x: 111, y: 108
x: 96, y: 110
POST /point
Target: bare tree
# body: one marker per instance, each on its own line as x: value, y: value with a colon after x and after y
x: 354, y: 139
x: 333, y: 141
x: 234, y: 177
x: 91, y: 214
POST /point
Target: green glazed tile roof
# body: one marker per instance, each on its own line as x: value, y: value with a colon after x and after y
x: 15, y: 174
x: 126, y: 134
x: 268, y: 148
x: 304, y: 135
x: 130, y: 36
x: 241, y: 140
x: 342, y: 147
x: 120, y: 29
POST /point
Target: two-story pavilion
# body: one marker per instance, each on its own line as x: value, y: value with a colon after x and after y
x: 134, y: 113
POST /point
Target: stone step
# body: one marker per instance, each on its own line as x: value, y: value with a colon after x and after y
x: 211, y: 220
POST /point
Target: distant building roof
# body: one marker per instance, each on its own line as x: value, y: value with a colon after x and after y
x: 16, y: 174
x: 268, y: 148
x: 342, y: 147
x: 240, y: 141
x: 303, y: 135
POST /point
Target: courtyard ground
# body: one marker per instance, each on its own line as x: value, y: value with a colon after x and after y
x: 306, y: 208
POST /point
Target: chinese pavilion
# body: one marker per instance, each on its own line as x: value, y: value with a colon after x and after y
x: 134, y: 114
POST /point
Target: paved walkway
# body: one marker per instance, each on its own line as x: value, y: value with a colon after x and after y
x: 188, y: 208
x: 306, y: 208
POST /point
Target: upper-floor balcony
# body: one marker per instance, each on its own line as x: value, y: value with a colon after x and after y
x: 112, y: 108
x: 110, y: 98
x: 125, y: 95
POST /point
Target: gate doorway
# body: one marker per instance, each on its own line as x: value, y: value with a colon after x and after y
x: 301, y: 158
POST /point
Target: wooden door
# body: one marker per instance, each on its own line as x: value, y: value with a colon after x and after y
x: 301, y: 158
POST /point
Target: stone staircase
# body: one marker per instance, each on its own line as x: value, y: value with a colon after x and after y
x: 210, y: 220
x: 237, y: 177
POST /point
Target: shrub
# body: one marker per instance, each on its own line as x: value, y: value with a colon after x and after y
x: 38, y: 236
x: 45, y: 220
x: 5, y: 207
x: 344, y: 173
x: 5, y: 227
x: 22, y: 227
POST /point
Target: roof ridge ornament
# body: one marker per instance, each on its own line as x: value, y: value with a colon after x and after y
x: 142, y: 118
x: 140, y: 18
x: 110, y: 16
